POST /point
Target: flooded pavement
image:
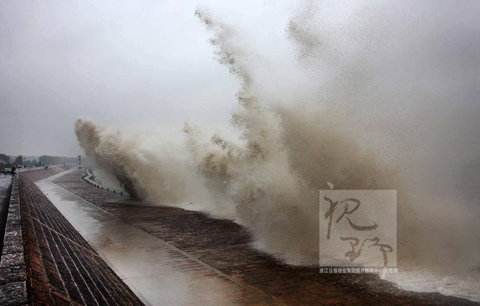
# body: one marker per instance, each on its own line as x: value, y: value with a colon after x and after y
x: 159, y: 273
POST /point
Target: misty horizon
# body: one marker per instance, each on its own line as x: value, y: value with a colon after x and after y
x: 121, y: 65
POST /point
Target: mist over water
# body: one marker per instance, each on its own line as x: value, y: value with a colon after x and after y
x: 370, y: 119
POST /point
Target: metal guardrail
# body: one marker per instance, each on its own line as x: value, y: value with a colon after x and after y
x: 89, y: 178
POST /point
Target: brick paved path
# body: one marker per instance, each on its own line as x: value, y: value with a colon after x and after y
x: 225, y: 246
x: 62, y: 268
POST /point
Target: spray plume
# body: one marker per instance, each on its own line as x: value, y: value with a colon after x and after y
x: 268, y: 180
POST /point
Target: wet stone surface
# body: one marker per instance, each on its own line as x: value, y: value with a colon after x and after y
x: 13, y: 293
x: 61, y: 267
x: 225, y: 246
x: 12, y: 264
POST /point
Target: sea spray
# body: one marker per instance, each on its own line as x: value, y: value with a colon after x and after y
x: 268, y: 179
x: 135, y: 166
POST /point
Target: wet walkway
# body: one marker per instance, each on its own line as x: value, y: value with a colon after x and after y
x: 156, y: 271
x: 48, y: 261
x: 172, y: 256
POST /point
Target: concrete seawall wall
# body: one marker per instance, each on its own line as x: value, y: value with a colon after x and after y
x: 13, y: 276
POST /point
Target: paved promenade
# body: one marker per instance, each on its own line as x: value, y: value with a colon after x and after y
x: 222, y: 248
x: 69, y: 243
x: 158, y: 273
x: 48, y: 262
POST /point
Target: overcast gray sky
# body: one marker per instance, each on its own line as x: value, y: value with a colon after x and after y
x: 117, y: 62
x: 145, y: 62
